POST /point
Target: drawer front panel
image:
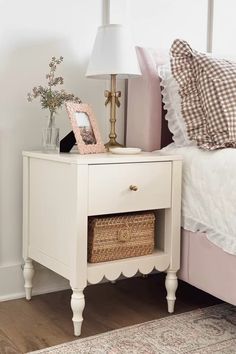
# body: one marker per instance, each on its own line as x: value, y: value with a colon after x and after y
x: 110, y: 188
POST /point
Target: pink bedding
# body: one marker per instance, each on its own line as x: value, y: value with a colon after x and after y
x: 208, y: 267
x: 204, y: 265
x: 143, y: 105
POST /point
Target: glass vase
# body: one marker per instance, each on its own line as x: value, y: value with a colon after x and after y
x: 50, y: 136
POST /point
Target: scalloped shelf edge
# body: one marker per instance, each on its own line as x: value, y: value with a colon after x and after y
x: 127, y: 267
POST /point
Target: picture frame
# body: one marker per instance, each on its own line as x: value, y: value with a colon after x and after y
x: 85, y: 128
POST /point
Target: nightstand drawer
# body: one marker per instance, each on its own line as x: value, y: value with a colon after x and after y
x: 112, y: 188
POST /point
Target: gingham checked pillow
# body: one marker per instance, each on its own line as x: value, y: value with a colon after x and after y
x: 207, y: 87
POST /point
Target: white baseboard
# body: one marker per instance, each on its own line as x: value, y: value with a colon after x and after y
x: 12, y: 283
x: 45, y: 281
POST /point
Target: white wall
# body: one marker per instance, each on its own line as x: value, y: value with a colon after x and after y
x: 31, y: 32
x: 156, y: 23
x: 224, y: 27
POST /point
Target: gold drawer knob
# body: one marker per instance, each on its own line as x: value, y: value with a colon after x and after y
x: 133, y: 188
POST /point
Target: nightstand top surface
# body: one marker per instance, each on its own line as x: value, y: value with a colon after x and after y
x: 104, y: 158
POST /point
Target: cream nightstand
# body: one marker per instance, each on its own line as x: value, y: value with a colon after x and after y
x: 61, y: 191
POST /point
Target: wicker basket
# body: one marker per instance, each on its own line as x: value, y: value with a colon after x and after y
x: 120, y: 236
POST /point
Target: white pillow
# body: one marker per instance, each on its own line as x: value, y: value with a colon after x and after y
x: 172, y: 104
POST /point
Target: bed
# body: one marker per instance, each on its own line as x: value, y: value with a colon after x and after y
x: 207, y: 261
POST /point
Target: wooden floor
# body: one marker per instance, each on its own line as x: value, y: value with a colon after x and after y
x: 46, y: 319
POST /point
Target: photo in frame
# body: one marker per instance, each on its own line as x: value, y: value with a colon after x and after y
x: 85, y: 128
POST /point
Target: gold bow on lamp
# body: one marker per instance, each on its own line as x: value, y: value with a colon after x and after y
x: 113, y: 57
x: 112, y: 97
x: 109, y: 94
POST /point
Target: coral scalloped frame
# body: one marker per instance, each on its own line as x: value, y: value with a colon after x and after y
x: 97, y: 148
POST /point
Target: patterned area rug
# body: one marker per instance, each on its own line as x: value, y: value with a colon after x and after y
x: 205, y: 331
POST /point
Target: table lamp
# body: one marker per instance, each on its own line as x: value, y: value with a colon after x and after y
x: 113, y: 56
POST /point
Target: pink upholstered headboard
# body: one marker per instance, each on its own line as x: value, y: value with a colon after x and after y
x: 146, y: 127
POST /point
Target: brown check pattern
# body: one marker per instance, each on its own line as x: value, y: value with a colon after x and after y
x: 207, y: 87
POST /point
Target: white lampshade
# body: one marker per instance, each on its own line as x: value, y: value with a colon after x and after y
x: 113, y: 53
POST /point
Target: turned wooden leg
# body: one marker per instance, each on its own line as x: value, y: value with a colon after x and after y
x: 171, y: 287
x: 77, y: 306
x: 28, y: 274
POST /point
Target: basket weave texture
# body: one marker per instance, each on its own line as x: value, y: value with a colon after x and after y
x: 120, y: 236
